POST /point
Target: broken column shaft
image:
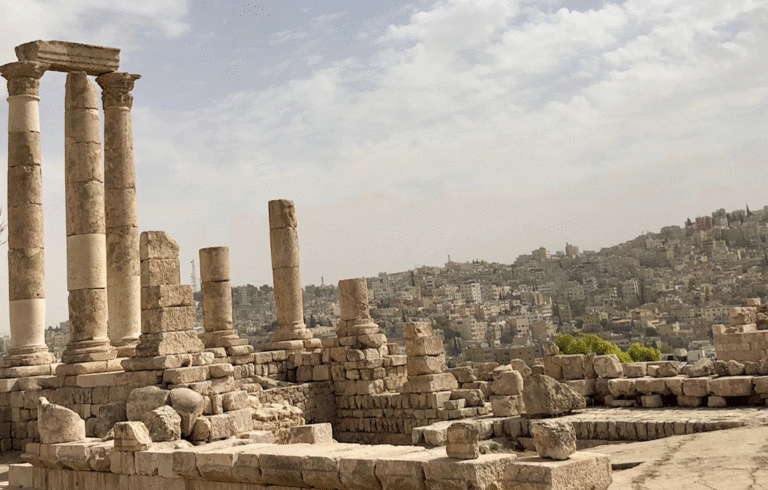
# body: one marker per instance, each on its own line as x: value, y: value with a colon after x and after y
x: 26, y: 254
x: 122, y: 224
x: 86, y: 240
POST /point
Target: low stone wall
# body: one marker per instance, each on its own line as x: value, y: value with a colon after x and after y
x: 237, y: 465
x: 316, y: 400
x: 743, y: 343
x: 85, y: 393
x: 389, y: 418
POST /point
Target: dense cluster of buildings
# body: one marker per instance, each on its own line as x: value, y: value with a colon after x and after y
x: 665, y: 289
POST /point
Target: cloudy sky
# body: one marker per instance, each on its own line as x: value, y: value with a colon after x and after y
x: 407, y: 131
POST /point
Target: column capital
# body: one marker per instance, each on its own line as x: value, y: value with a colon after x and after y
x: 116, y: 89
x: 23, y: 77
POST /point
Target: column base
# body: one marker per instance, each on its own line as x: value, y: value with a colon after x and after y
x: 88, y: 351
x: 221, y: 338
x: 28, y: 356
x: 125, y: 347
x: 291, y: 332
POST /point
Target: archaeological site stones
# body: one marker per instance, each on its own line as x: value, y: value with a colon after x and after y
x: 144, y: 399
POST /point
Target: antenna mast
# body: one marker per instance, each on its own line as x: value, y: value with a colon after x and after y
x: 194, y: 277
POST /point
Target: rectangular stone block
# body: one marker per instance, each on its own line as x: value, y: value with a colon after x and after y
x: 71, y: 57
x: 312, y: 434
x: 185, y: 375
x: 166, y: 296
x: 162, y: 344
x: 170, y: 319
x: 429, y: 383
x: 160, y: 272
x: 424, y: 346
x: 418, y: 365
x: 581, y: 470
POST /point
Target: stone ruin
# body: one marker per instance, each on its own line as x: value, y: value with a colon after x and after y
x: 142, y: 399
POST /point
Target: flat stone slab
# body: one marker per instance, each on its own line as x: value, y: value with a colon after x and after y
x: 721, y: 460
x: 70, y: 57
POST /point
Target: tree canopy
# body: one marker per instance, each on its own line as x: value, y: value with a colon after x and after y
x: 592, y: 344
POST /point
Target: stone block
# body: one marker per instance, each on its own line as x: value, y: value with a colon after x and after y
x: 651, y: 401
x: 131, y: 436
x: 312, y: 434
x: 168, y: 343
x: 573, y: 366
x: 581, y: 470
x: 553, y: 439
x: 164, y: 296
x: 463, y: 440
x: 170, y: 319
x: 418, y: 365
x: 716, y: 402
x: 731, y: 386
x: 608, y: 366
x: 506, y: 406
x: 160, y: 272
x: 186, y: 375
x: 424, y: 346
x: 634, y: 370
x: 157, y: 245
x: 697, y: 387
x: 71, y: 57
x: 429, y: 383
x: 507, y: 383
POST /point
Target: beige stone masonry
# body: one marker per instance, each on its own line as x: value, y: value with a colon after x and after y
x: 71, y: 57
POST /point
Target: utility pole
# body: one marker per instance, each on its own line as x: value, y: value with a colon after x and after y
x: 194, y: 277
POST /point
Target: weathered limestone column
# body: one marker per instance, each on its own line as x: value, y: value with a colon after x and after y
x: 122, y: 223
x: 26, y: 255
x: 284, y: 244
x: 86, y: 239
x: 217, y: 299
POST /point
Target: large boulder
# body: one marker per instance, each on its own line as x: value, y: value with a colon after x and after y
x: 546, y: 397
x: 554, y: 439
x: 189, y: 405
x: 144, y: 400
x: 163, y: 424
x: 608, y: 366
x: 56, y: 424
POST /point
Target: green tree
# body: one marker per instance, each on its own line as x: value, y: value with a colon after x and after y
x: 639, y: 353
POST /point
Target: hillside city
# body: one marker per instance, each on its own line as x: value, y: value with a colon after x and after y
x: 662, y: 290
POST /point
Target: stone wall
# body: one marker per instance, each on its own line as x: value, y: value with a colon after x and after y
x: 86, y: 393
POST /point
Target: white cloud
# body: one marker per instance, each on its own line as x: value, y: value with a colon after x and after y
x: 478, y: 128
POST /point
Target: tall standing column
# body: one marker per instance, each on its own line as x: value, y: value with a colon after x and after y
x: 26, y: 254
x: 284, y: 244
x: 122, y: 223
x: 86, y: 240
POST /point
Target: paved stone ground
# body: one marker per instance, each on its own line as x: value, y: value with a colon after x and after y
x: 747, y: 415
x: 733, y: 459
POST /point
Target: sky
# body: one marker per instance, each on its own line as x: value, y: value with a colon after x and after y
x: 406, y: 131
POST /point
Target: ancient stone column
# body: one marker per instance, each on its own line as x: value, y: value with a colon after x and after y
x: 86, y: 239
x: 122, y: 224
x: 217, y: 296
x: 284, y: 243
x: 26, y: 255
